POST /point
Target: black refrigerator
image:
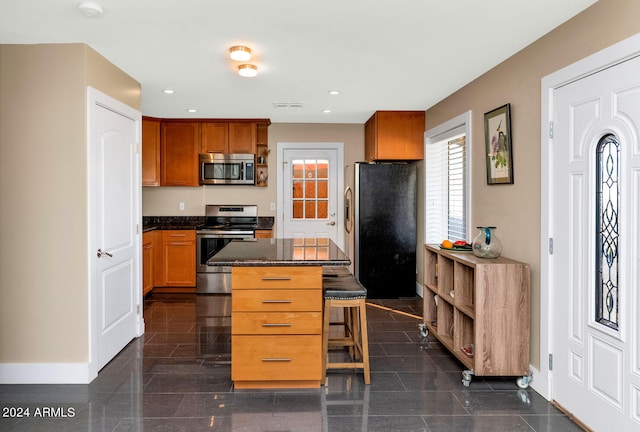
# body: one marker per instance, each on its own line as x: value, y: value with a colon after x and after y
x: 385, y: 228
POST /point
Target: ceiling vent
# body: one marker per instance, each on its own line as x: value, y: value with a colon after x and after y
x: 287, y: 105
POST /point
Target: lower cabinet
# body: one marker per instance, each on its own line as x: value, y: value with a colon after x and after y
x: 263, y: 233
x: 147, y: 262
x: 176, y: 261
x: 276, y: 327
x: 478, y: 309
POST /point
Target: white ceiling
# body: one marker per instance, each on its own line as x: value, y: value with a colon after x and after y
x: 380, y: 54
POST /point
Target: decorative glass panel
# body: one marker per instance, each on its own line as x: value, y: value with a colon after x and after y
x: 607, y: 211
x: 310, y: 185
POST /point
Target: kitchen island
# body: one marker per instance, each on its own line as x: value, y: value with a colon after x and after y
x: 276, y: 309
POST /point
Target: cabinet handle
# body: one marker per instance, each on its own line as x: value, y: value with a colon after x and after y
x: 178, y: 235
x: 276, y: 325
x: 276, y: 359
x: 276, y: 301
x: 179, y: 243
x: 284, y: 278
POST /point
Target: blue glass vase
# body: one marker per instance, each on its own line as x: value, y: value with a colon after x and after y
x: 486, y: 244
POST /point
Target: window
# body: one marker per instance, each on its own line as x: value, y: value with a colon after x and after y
x: 607, y: 211
x: 447, y: 199
x: 310, y: 189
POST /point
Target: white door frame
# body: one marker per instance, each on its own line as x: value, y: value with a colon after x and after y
x: 280, y: 148
x: 95, y: 97
x: 608, y: 57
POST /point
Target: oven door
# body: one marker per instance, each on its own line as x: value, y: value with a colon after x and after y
x: 213, y: 279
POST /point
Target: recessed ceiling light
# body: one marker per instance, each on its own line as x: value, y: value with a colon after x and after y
x: 334, y: 92
x: 240, y: 53
x: 90, y: 9
x: 326, y: 111
x: 191, y: 110
x: 247, y: 70
x: 168, y: 91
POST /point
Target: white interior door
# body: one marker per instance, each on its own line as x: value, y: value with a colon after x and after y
x: 595, y: 218
x: 311, y: 191
x: 114, y: 178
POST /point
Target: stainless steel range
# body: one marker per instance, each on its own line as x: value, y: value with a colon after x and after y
x: 223, y: 224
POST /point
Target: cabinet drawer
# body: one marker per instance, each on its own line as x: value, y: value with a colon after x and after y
x: 276, y: 277
x: 178, y: 235
x: 276, y: 358
x: 277, y: 300
x: 298, y: 323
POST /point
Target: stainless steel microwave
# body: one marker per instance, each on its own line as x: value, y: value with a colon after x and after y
x: 217, y: 168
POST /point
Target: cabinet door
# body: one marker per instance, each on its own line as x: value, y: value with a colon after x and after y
x: 150, y: 152
x: 147, y: 262
x: 214, y: 137
x: 243, y: 137
x: 370, y: 142
x: 180, y: 263
x: 179, y: 156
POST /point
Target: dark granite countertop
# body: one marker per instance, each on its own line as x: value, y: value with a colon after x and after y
x: 150, y: 223
x: 280, y: 252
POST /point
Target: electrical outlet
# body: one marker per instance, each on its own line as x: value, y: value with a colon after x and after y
x: 273, y: 206
x: 181, y: 206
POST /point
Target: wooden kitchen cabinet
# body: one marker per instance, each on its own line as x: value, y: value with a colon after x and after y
x: 150, y: 151
x: 176, y: 260
x: 228, y: 137
x: 267, y: 233
x: 478, y: 308
x: 179, y: 144
x: 394, y: 135
x: 276, y: 326
x: 147, y: 262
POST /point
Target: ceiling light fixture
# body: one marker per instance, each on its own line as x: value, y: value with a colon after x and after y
x: 247, y: 70
x: 168, y: 91
x: 334, y: 92
x: 240, y: 53
x: 191, y: 110
x: 90, y: 9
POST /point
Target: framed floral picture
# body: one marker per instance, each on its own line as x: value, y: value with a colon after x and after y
x: 497, y: 136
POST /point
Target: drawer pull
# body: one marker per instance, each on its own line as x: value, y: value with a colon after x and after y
x: 276, y: 325
x: 276, y: 359
x: 178, y: 235
x: 276, y: 278
x: 276, y: 301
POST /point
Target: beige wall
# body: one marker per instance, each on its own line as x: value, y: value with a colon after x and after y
x: 43, y: 196
x: 515, y: 209
x: 164, y: 201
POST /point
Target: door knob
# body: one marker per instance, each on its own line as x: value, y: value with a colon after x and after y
x: 332, y: 223
x: 99, y: 254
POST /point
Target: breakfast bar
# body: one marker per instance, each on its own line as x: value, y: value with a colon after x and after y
x: 276, y: 312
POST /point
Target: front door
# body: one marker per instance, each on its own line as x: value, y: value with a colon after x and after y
x: 114, y: 200
x: 311, y: 185
x: 595, y: 209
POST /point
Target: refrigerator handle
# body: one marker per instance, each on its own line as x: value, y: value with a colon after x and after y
x: 348, y: 220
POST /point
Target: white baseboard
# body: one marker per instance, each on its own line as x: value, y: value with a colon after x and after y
x: 45, y: 373
x: 419, y: 290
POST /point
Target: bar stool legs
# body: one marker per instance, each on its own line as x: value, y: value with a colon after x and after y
x: 356, y: 338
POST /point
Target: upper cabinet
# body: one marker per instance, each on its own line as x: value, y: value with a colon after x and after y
x: 179, y: 147
x: 170, y: 147
x: 150, y: 151
x: 394, y: 135
x: 228, y: 137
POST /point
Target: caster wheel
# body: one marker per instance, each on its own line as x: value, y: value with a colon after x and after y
x: 523, y: 382
x: 424, y: 331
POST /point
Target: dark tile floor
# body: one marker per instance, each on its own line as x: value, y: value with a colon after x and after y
x: 177, y: 378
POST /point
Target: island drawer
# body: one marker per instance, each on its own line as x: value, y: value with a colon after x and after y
x: 276, y: 358
x: 277, y: 300
x: 268, y: 277
x: 257, y: 323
